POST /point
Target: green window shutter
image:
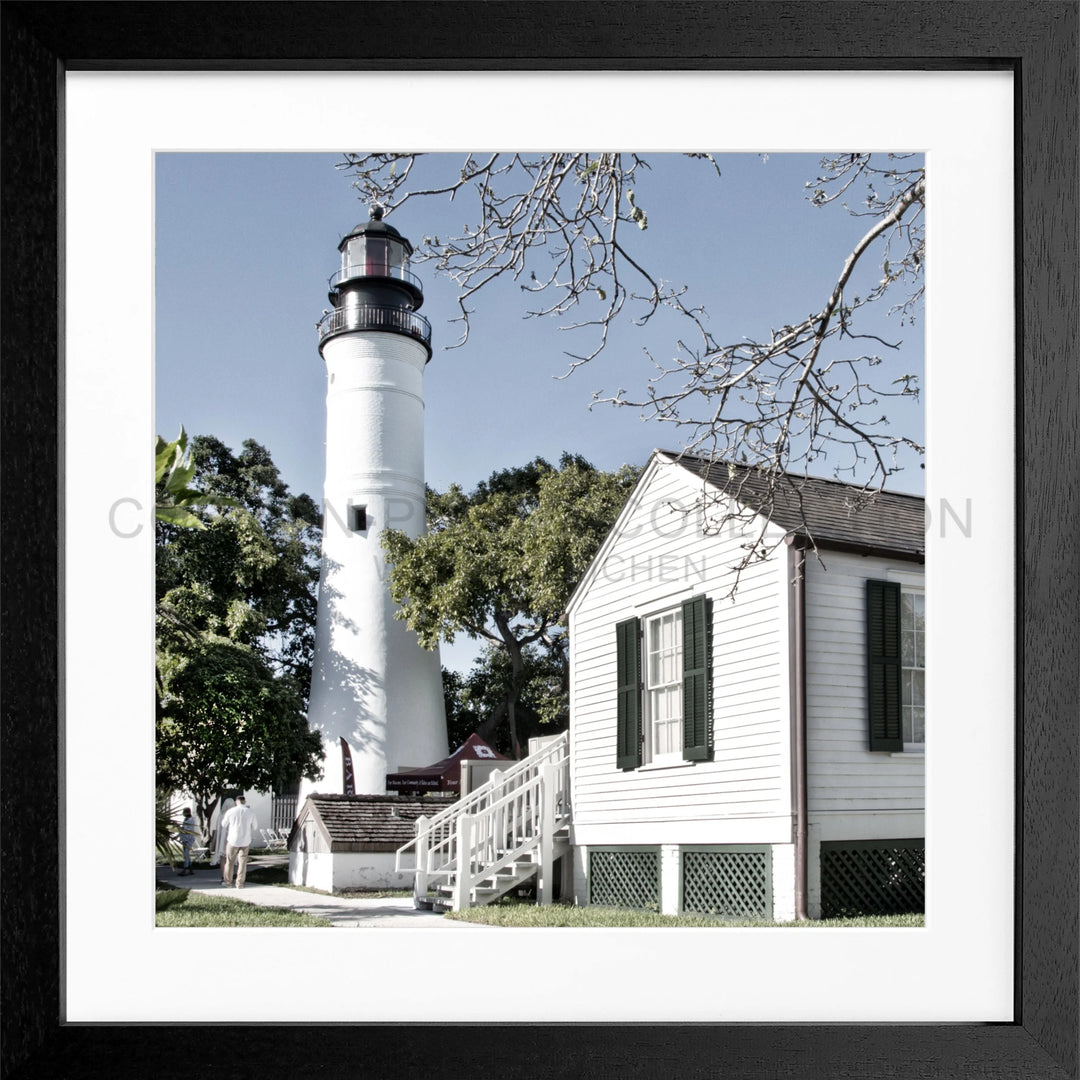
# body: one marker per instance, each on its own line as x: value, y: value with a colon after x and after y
x: 628, y: 678
x: 697, y: 696
x: 883, y: 664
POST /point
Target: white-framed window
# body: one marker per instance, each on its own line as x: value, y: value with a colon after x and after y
x: 913, y: 667
x: 663, y: 699
x: 663, y: 649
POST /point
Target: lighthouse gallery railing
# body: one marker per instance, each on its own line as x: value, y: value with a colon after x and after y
x: 375, y: 317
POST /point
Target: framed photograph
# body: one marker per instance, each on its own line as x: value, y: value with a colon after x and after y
x: 94, y: 91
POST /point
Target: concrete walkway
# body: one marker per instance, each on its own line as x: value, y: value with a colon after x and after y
x: 344, y: 911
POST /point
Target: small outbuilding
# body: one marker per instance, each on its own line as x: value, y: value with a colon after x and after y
x: 348, y: 841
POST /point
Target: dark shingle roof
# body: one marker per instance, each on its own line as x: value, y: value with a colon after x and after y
x: 371, y: 822
x: 829, y: 512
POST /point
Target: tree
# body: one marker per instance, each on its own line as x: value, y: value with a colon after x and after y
x: 564, y: 225
x: 499, y: 564
x: 251, y: 572
x: 478, y: 701
x: 226, y: 720
x: 173, y: 470
x: 236, y: 608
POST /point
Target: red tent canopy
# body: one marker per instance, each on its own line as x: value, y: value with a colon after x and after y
x: 444, y: 775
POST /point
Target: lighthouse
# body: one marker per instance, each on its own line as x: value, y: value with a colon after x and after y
x: 376, y: 694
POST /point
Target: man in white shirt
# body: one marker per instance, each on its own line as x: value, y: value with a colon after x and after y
x: 239, y: 825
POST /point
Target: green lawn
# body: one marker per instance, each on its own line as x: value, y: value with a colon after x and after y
x: 529, y: 915
x: 182, y: 907
x: 267, y: 875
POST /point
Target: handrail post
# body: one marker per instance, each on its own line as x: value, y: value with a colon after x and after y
x: 498, y: 817
x: 420, y: 881
x: 547, y: 835
x: 462, y: 880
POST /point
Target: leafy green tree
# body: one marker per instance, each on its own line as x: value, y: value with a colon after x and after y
x: 477, y: 701
x: 228, y: 721
x: 251, y: 572
x: 173, y: 470
x: 236, y: 609
x: 499, y: 564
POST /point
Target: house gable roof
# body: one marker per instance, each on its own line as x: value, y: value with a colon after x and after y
x: 367, y: 822
x: 828, y: 513
x: 631, y: 504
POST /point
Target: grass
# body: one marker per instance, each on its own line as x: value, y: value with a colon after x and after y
x: 184, y: 908
x: 267, y: 875
x: 530, y: 916
x: 257, y: 875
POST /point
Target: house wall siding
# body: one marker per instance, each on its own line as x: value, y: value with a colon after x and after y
x: 658, y: 558
x: 844, y: 777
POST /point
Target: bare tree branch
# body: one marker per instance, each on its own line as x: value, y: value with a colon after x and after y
x: 556, y: 225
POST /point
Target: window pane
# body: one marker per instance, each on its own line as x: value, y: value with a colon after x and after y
x: 906, y: 608
x: 913, y: 660
x: 918, y: 725
x: 917, y: 688
x: 907, y: 648
x: 664, y: 683
x: 918, y: 604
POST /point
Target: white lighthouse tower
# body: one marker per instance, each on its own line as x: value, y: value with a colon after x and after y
x: 376, y: 695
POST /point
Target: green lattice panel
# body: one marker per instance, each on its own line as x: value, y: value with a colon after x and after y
x: 732, y: 883
x: 872, y: 878
x: 624, y: 877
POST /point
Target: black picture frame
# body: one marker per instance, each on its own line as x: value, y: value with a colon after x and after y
x: 1037, y: 41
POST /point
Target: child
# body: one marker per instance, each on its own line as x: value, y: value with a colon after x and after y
x: 187, y: 839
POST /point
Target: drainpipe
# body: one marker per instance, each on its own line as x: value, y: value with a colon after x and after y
x: 799, y: 732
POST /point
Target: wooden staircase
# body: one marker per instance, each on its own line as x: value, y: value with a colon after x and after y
x: 499, y: 838
x: 523, y: 870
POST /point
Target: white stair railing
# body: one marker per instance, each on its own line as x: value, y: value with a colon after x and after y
x: 513, y: 815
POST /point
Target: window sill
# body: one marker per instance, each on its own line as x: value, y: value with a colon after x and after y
x: 658, y: 766
x: 914, y: 752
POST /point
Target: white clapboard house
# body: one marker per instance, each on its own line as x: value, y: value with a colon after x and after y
x: 757, y: 754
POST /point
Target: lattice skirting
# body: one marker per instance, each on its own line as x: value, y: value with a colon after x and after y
x: 625, y: 877
x: 732, y: 882
x: 872, y: 877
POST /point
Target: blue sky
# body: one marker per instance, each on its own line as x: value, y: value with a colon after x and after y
x: 245, y: 244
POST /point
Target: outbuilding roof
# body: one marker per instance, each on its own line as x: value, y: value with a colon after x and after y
x: 367, y: 822
x: 831, y: 513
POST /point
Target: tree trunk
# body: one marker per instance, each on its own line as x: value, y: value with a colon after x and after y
x: 488, y: 727
x: 204, y: 812
x: 517, y: 668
